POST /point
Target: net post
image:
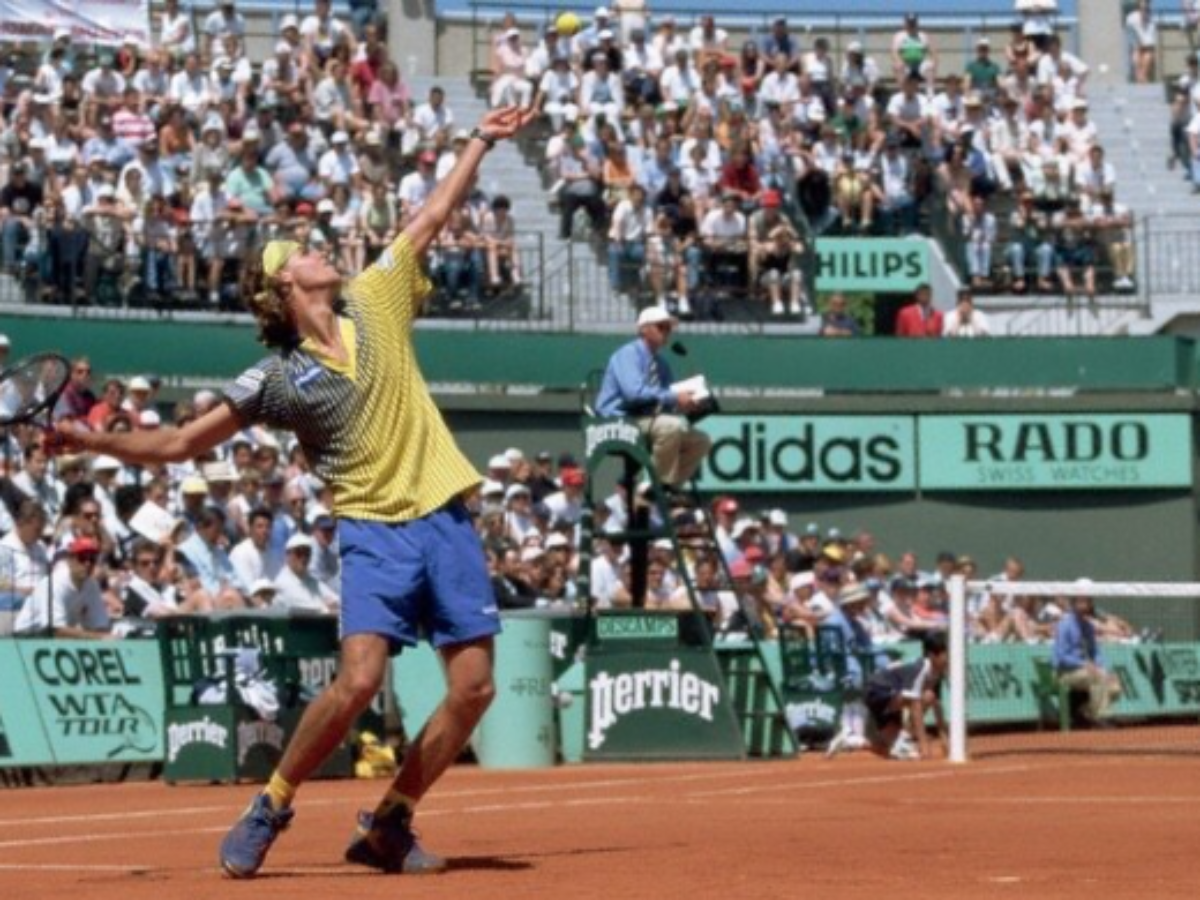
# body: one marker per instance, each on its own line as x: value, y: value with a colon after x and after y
x: 958, y: 670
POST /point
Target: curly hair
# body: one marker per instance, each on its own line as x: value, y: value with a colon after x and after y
x: 266, y: 298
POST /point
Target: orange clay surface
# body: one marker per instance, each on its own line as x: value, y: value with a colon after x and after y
x: 1097, y: 825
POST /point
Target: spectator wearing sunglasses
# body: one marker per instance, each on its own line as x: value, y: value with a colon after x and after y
x: 68, y: 603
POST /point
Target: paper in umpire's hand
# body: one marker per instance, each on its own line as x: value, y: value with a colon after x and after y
x: 697, y: 386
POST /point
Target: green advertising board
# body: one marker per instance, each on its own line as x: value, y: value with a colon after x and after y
x: 656, y: 704
x: 873, y: 265
x: 98, y: 701
x: 810, y: 453
x: 1157, y: 680
x: 1054, y: 452
x: 22, y: 735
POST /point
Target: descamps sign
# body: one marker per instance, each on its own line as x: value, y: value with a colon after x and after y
x: 810, y: 453
x: 1052, y: 452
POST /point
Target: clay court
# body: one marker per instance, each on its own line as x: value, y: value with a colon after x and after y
x: 1121, y: 823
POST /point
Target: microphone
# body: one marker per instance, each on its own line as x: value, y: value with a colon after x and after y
x: 678, y: 349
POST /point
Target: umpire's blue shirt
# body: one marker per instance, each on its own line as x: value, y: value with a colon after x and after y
x: 636, y: 383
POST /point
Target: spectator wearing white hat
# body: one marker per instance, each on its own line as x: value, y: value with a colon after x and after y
x: 638, y: 384
x: 499, y: 468
x: 588, y: 39
x: 193, y: 497
x: 263, y: 593
x: 137, y: 398
x: 518, y: 515
x: 296, y: 586
x: 510, y: 83
x: 105, y: 470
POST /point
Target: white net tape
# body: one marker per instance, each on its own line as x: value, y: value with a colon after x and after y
x: 1087, y: 588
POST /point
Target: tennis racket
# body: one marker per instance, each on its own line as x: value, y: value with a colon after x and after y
x: 29, y: 391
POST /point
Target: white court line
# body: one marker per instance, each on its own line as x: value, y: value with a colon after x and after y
x: 1054, y: 801
x: 93, y: 838
x: 61, y: 867
x: 555, y: 786
x: 534, y: 805
x: 425, y: 814
x: 854, y: 782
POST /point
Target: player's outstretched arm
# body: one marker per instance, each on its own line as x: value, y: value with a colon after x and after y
x: 153, y: 447
x: 499, y: 124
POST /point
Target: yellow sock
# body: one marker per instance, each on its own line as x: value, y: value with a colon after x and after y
x: 392, y: 800
x: 280, y: 792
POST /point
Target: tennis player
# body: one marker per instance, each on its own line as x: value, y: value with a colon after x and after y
x: 898, y: 698
x: 344, y: 379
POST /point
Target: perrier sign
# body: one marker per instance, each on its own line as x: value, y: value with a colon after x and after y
x: 658, y: 704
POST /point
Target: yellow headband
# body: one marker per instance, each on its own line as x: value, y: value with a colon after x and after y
x: 276, y: 254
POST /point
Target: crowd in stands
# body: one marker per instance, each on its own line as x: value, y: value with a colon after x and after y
x: 680, y: 145
x: 148, y: 174
x: 91, y: 546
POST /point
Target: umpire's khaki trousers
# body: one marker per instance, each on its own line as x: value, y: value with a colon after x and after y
x: 1102, y: 689
x: 677, y: 447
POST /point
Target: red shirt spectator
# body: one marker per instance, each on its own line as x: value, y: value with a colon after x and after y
x: 740, y: 177
x: 920, y: 319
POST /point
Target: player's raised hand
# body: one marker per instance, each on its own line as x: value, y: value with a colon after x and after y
x: 505, y: 121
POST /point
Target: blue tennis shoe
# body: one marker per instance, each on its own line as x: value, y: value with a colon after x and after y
x: 246, y: 845
x: 390, y: 845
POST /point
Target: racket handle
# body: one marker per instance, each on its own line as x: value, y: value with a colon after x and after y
x: 54, y: 442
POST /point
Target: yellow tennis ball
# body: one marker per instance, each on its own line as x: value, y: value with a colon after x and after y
x: 568, y: 24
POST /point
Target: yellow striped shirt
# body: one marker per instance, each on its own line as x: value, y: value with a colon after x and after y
x: 368, y: 427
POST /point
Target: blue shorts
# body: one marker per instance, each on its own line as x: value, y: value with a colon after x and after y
x: 425, y: 578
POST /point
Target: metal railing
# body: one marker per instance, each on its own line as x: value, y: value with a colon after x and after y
x: 957, y: 30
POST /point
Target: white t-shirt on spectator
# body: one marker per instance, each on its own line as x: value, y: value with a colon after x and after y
x: 1094, y: 180
x: 302, y: 592
x: 977, y: 326
x: 699, y: 43
x: 559, y: 87
x: 908, y: 109
x: 49, y: 81
x: 21, y: 567
x: 1047, y: 67
x: 152, y: 84
x: 722, y: 227
x: 98, y: 83
x: 679, y: 84
x: 251, y: 564
x: 781, y: 89
x: 630, y: 224
x: 81, y: 607
x: 414, y: 190
x: 646, y: 58
x: 325, y: 32
x: 192, y: 92
x: 1143, y: 31
x: 176, y: 32
x: 216, y: 26
x: 1080, y: 138
x: 337, y: 167
x: 429, y: 121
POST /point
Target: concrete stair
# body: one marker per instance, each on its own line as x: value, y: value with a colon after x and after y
x: 568, y: 286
